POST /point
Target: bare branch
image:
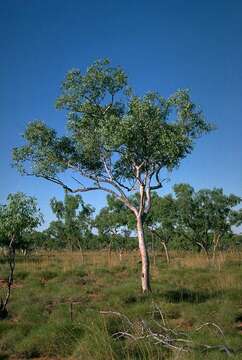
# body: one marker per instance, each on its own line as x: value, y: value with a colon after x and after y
x: 117, y: 314
x: 159, y: 182
x: 210, y: 324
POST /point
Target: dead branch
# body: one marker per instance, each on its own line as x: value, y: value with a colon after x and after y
x: 211, y: 324
x: 166, y: 337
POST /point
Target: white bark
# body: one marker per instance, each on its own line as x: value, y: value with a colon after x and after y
x: 166, y: 252
x: 145, y: 272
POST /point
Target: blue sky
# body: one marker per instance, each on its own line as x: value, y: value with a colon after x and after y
x: 163, y: 46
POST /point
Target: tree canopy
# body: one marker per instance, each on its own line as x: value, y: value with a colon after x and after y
x: 18, y: 217
x: 73, y: 226
x: 119, y: 141
x: 206, y: 214
x: 114, y: 137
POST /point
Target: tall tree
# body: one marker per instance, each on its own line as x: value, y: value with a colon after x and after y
x: 119, y: 141
x: 19, y: 217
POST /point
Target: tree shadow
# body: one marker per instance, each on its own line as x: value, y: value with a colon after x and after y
x: 187, y: 295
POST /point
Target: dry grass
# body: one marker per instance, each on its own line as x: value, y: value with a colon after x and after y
x: 189, y: 291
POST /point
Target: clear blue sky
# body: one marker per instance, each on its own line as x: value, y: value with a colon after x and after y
x: 163, y: 45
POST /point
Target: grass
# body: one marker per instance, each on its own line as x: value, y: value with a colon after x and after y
x: 54, y: 311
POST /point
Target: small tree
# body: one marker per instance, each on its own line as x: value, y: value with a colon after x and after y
x: 74, y: 225
x: 112, y: 224
x: 205, y: 216
x: 19, y: 217
x: 120, y: 142
x: 161, y: 221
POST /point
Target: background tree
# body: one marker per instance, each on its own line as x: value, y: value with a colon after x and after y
x: 112, y: 224
x: 19, y: 217
x: 162, y: 220
x: 120, y: 142
x: 206, y: 216
x: 34, y: 241
x: 74, y: 226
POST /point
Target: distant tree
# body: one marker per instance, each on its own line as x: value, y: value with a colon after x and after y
x: 73, y: 227
x: 112, y: 224
x: 34, y: 241
x: 118, y: 141
x: 56, y: 237
x: 162, y: 220
x: 19, y: 217
x: 205, y: 216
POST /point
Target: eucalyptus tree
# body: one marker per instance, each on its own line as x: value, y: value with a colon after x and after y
x: 113, y: 219
x: 118, y: 141
x: 112, y: 224
x: 74, y: 223
x: 205, y: 216
x: 162, y: 220
x: 18, y: 218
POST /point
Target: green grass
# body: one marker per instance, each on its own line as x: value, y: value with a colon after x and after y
x: 54, y: 310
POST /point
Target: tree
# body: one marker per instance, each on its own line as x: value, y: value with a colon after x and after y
x: 73, y: 226
x: 19, y: 217
x: 205, y: 216
x: 112, y: 223
x: 118, y: 141
x: 33, y: 241
x: 162, y: 219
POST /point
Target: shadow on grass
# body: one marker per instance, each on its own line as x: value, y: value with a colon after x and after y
x: 4, y: 357
x: 187, y: 295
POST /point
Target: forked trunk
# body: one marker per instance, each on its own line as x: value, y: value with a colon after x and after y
x: 145, y: 273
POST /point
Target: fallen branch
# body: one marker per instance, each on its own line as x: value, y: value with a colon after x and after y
x: 168, y: 338
x: 210, y: 324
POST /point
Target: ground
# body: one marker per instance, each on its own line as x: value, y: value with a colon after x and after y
x: 58, y: 299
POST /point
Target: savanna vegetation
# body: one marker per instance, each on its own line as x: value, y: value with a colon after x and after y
x: 71, y: 289
x: 68, y: 306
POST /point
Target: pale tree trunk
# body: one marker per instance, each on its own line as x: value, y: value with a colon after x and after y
x: 110, y: 253
x: 153, y: 251
x: 216, y: 238
x: 163, y: 243
x: 145, y: 273
x: 81, y: 252
x: 204, y: 249
x: 120, y: 255
x: 166, y: 252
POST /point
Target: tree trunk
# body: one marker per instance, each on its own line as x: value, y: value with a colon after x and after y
x: 216, y: 238
x: 204, y: 249
x: 110, y: 253
x: 82, y: 256
x: 11, y: 261
x: 120, y: 255
x: 153, y: 250
x: 166, y: 252
x: 145, y: 273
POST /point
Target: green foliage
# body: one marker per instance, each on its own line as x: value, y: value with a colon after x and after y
x: 18, y: 218
x: 112, y: 133
x: 205, y: 214
x: 112, y: 223
x: 185, y: 220
x: 73, y: 227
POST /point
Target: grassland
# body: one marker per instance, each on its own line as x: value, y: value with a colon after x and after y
x: 54, y: 311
